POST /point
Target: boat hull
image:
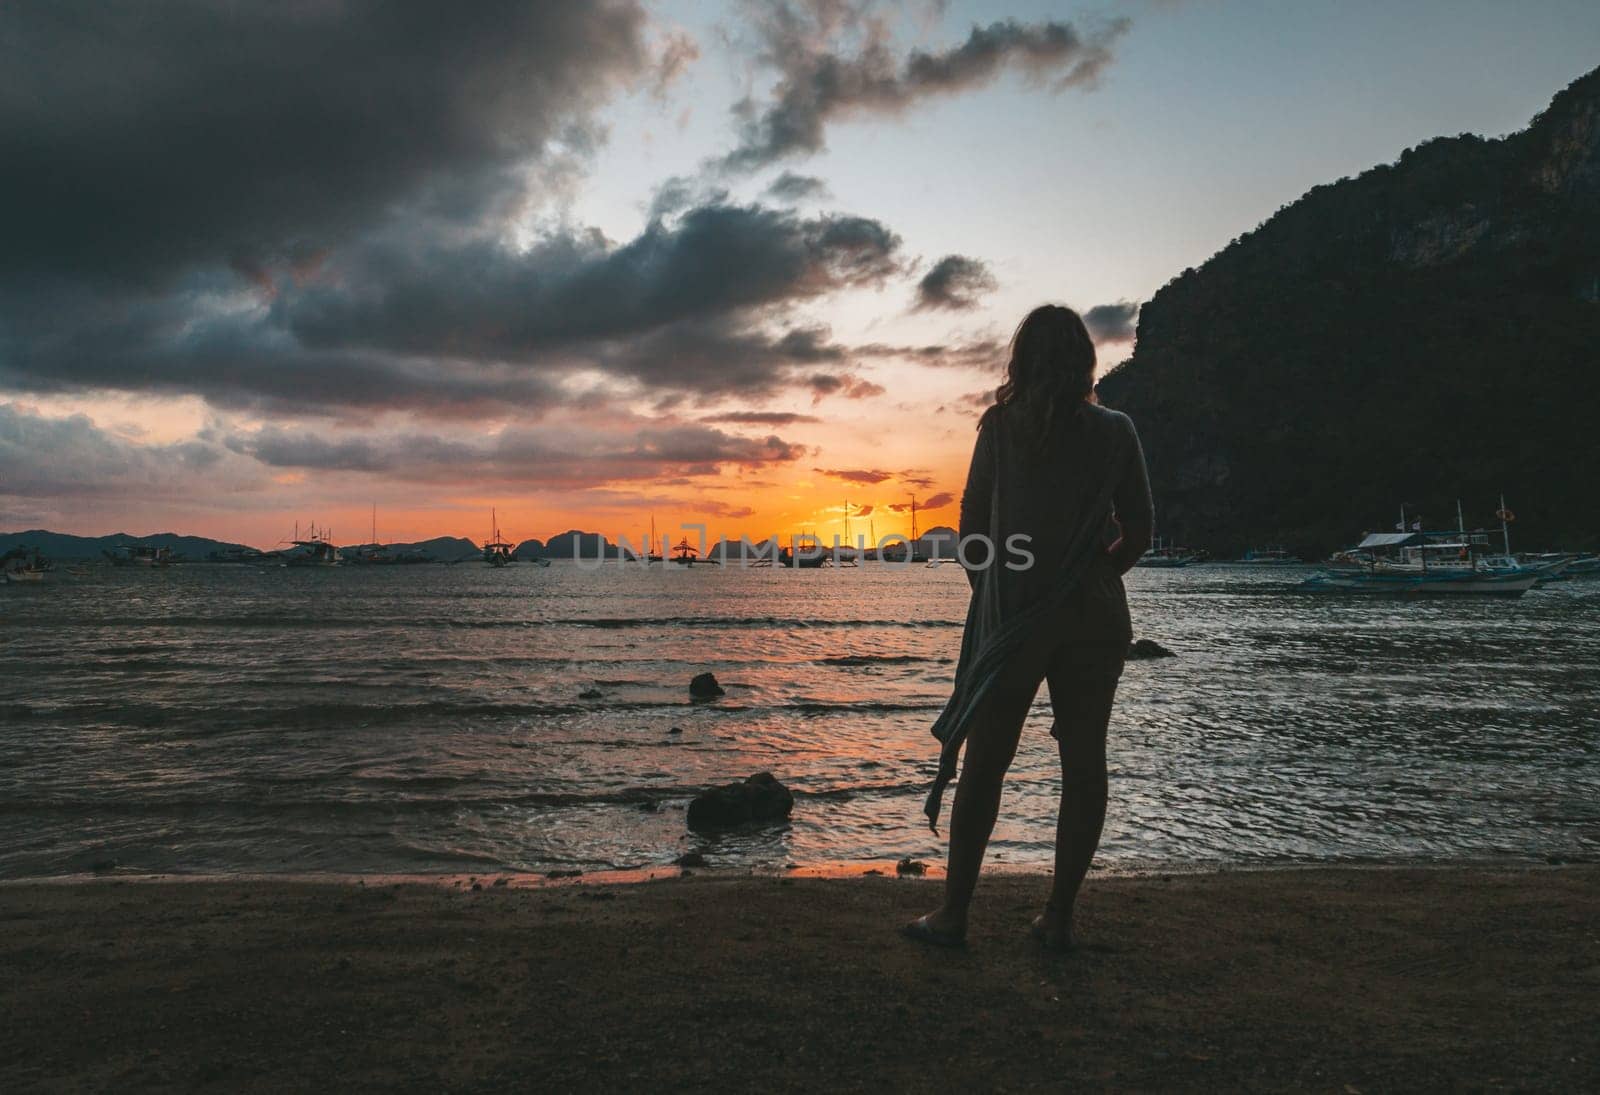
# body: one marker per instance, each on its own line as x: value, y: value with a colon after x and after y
x: 1422, y: 585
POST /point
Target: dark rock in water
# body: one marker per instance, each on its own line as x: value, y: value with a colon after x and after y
x: 909, y: 866
x: 562, y: 874
x: 761, y: 798
x: 589, y: 694
x: 500, y: 881
x: 691, y: 859
x: 705, y: 687
x: 100, y: 866
x: 1143, y: 649
x: 676, y: 730
x: 477, y: 887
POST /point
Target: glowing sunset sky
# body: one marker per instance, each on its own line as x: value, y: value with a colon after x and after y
x: 590, y: 264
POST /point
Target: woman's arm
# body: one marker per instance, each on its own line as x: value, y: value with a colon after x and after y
x: 975, y: 499
x: 1135, y: 512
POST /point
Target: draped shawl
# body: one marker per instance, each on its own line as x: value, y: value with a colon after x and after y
x: 996, y: 632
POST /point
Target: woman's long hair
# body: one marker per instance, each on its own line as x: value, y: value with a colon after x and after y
x: 1050, y: 374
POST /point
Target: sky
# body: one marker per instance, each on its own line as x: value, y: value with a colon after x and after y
x: 737, y: 265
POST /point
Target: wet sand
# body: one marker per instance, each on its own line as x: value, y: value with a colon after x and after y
x: 1328, y: 980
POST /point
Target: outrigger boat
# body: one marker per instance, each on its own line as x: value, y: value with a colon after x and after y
x: 813, y: 558
x: 1441, y: 562
x: 138, y: 555
x: 498, y: 552
x: 316, y: 550
x: 1166, y: 555
x: 1421, y: 583
x: 685, y: 554
x: 374, y: 553
x: 235, y: 555
x: 24, y: 564
x: 912, y: 551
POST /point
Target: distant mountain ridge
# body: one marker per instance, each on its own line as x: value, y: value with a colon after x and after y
x: 445, y: 549
x: 1424, y: 332
x: 62, y: 545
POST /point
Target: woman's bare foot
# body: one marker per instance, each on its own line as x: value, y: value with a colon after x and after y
x: 1052, y: 930
x: 939, y: 928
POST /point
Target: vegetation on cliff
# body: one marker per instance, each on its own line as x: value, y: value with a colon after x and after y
x: 1425, y: 332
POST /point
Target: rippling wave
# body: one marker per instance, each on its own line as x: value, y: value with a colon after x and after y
x: 442, y: 718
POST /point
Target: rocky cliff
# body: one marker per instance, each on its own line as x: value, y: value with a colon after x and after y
x: 1425, y: 332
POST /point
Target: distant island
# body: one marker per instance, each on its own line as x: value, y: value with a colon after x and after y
x: 572, y: 544
x: 200, y: 549
x: 1423, y: 333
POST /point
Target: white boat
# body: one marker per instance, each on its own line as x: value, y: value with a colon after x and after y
x: 1421, y: 583
x: 1571, y: 566
x: 24, y: 564
x: 1162, y: 554
x: 1414, y: 561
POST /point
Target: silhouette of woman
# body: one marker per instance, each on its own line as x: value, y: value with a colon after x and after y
x: 1052, y: 465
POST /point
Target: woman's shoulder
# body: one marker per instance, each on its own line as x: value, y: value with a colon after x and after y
x: 1108, y: 419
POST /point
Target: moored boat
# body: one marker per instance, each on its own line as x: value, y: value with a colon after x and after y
x: 498, y: 552
x: 1165, y: 555
x: 1268, y: 557
x: 24, y: 564
x: 1413, y: 560
x: 316, y: 550
x: 1421, y: 583
x: 138, y: 555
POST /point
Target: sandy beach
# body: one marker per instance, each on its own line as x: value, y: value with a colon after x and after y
x: 1329, y: 980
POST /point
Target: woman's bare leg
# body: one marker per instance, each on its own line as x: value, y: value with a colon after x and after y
x: 991, y: 745
x: 1083, y: 711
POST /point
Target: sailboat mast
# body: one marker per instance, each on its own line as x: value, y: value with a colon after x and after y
x: 913, y: 518
x: 847, y: 520
x: 1505, y: 526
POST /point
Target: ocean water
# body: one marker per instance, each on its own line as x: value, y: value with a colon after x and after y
x: 418, y: 719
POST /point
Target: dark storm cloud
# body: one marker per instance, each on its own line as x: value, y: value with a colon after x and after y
x: 760, y: 418
x: 954, y: 283
x: 835, y: 61
x: 480, y: 299
x: 718, y: 357
x: 1112, y: 322
x: 70, y: 341
x: 865, y: 476
x: 982, y: 354
x: 459, y: 329
x: 546, y: 456
x: 790, y: 187
x: 933, y: 501
x: 846, y: 384
x: 141, y: 139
